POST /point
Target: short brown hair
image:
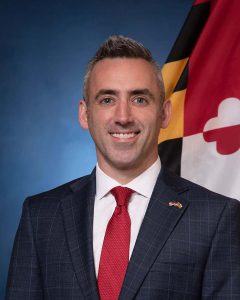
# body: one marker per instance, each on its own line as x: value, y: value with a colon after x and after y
x: 119, y: 46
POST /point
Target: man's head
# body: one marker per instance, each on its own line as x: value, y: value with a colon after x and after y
x: 122, y: 47
x: 124, y: 107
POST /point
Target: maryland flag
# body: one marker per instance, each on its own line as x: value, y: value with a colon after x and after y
x: 202, y: 79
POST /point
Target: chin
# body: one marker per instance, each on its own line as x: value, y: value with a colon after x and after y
x: 125, y: 164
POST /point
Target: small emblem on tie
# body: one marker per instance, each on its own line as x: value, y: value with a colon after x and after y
x: 176, y: 204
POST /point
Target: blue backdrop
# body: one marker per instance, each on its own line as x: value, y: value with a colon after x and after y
x: 44, y: 48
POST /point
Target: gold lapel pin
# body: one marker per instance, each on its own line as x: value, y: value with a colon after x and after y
x: 176, y: 204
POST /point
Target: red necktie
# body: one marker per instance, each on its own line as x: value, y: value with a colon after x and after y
x: 115, y: 249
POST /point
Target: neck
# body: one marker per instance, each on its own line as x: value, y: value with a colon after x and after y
x: 127, y: 174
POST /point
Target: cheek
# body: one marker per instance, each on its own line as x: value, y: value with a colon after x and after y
x: 96, y: 124
x: 92, y: 117
x: 153, y: 120
x: 155, y: 125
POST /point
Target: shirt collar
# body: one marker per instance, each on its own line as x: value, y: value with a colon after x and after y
x: 104, y: 183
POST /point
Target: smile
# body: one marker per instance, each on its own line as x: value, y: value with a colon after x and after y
x: 121, y: 135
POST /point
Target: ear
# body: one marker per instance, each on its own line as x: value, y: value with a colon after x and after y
x: 82, y: 114
x: 166, y: 113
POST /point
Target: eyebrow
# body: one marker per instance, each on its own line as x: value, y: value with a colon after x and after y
x: 131, y: 92
x: 141, y: 92
x: 106, y: 92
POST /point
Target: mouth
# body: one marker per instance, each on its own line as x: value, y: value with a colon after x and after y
x: 124, y: 135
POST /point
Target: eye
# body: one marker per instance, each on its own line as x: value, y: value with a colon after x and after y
x: 106, y: 101
x: 140, y: 101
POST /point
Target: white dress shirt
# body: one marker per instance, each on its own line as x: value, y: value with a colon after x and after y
x: 105, y: 204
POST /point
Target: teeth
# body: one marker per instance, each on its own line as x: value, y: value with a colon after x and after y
x: 123, y: 135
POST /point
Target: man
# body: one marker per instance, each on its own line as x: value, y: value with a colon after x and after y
x: 168, y: 239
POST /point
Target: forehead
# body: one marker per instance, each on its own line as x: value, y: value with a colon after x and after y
x: 123, y: 73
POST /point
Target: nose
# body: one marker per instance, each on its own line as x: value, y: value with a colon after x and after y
x: 123, y: 112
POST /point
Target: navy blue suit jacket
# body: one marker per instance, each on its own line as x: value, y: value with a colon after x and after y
x: 191, y: 252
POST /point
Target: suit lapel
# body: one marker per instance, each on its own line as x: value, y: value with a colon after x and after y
x: 159, y: 221
x: 77, y: 211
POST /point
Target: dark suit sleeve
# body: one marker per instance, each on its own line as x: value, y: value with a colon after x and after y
x: 24, y: 278
x: 222, y: 273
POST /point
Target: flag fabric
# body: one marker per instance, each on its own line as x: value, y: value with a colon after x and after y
x: 202, y: 79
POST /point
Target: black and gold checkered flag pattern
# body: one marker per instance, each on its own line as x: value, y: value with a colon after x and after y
x: 175, y: 76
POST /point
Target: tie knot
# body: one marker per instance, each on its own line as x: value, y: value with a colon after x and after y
x: 122, y: 195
